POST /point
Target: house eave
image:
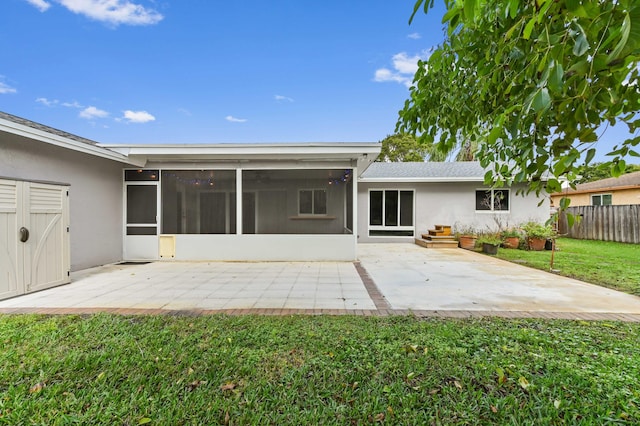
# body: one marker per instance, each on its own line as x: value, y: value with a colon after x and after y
x: 60, y: 141
x: 361, y: 153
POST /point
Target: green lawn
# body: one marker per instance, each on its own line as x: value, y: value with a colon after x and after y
x: 606, y: 263
x: 107, y: 369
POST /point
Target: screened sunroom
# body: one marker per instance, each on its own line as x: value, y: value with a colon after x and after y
x: 290, y: 209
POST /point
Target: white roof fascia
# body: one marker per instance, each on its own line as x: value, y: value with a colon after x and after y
x: 338, y: 149
x: 60, y: 141
x: 364, y: 153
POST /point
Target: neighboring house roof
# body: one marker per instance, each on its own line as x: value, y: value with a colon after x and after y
x: 20, y: 127
x: 627, y: 181
x: 460, y: 171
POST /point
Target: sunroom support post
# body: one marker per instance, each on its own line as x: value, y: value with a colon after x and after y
x: 239, y: 200
x: 354, y: 210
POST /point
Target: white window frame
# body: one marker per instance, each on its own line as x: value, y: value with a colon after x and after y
x: 398, y: 227
x: 313, y: 201
x: 493, y: 190
x: 602, y: 195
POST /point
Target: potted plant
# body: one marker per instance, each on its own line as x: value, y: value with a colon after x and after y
x: 537, y: 235
x: 511, y: 238
x: 467, y: 237
x: 490, y: 243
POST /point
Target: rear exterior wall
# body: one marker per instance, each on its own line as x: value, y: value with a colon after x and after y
x: 451, y: 203
x: 95, y: 197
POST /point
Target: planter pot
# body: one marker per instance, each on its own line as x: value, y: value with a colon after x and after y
x: 536, y: 244
x: 511, y: 242
x: 467, y: 242
x: 489, y: 248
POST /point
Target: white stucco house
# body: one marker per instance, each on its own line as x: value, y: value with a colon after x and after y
x: 68, y: 203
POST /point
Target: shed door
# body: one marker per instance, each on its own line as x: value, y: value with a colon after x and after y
x: 10, y: 276
x: 46, y: 257
x: 34, y: 237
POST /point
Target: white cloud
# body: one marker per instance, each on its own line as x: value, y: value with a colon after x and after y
x: 281, y: 98
x: 47, y: 102
x: 93, y: 112
x: 41, y: 5
x: 404, y: 67
x: 233, y: 119
x: 138, y: 116
x: 414, y: 36
x: 73, y: 104
x: 113, y: 12
x: 6, y: 89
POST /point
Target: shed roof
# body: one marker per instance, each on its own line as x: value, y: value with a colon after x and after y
x: 17, y: 127
x: 38, y: 126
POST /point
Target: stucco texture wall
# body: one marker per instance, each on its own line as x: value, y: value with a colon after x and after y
x: 95, y: 197
x: 619, y: 197
x: 451, y: 203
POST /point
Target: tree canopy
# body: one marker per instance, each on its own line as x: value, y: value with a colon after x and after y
x: 404, y: 147
x: 595, y: 171
x: 532, y: 82
x: 401, y: 148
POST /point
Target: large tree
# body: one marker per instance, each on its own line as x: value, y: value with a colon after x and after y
x: 533, y: 82
x: 401, y: 148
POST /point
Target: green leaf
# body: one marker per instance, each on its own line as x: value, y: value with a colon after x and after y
x: 624, y: 37
x: 564, y: 203
x: 588, y: 135
x: 541, y: 100
x: 556, y: 78
x: 590, y: 154
x: 144, y: 421
x: 513, y: 8
x: 526, y: 34
x: 416, y: 7
x: 572, y: 5
x: 469, y: 10
x: 581, y: 43
x: 494, y: 134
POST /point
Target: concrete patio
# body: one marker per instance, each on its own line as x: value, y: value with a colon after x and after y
x: 389, y: 279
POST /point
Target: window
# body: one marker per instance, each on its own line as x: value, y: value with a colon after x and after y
x: 492, y: 200
x: 312, y: 201
x: 391, y: 213
x: 601, y: 200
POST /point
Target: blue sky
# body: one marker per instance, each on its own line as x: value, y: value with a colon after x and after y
x: 204, y: 71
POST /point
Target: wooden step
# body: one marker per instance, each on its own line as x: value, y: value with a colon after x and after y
x: 438, y: 237
x: 437, y: 243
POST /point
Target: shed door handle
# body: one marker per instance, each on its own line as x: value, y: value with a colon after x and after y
x: 24, y: 234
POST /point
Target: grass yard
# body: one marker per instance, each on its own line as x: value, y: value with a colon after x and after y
x: 606, y: 263
x: 107, y: 369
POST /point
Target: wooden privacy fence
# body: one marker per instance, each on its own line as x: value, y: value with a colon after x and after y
x: 605, y: 223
